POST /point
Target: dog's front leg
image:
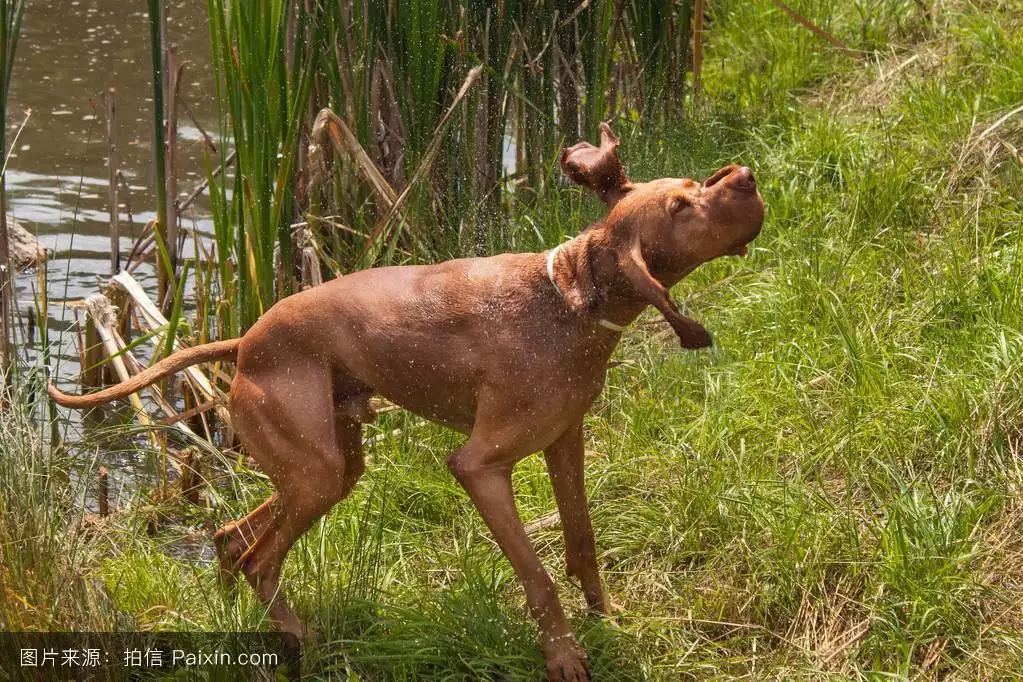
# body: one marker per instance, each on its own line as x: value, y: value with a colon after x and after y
x: 484, y: 470
x: 565, y: 465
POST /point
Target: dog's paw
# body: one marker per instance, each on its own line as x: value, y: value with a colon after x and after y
x: 572, y: 670
x: 311, y: 636
x: 283, y: 619
x: 605, y: 608
x: 566, y: 661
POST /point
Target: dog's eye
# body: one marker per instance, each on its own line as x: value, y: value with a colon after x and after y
x: 679, y: 204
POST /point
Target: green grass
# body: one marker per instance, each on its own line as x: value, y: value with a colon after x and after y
x: 262, y: 91
x: 832, y: 492
x: 47, y: 564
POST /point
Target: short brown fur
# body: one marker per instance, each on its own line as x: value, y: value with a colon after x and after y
x: 488, y: 346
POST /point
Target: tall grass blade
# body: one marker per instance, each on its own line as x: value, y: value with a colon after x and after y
x: 165, y: 272
x: 262, y: 116
x: 11, y: 12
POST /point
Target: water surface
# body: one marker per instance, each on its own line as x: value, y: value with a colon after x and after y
x: 69, y: 55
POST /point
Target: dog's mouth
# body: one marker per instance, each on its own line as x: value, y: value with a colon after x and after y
x: 739, y: 187
x: 741, y: 249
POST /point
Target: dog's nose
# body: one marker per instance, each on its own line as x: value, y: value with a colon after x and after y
x: 742, y: 179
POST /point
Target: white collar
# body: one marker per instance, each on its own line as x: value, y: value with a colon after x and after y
x: 607, y: 324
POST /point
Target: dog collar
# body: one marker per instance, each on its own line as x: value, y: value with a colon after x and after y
x: 607, y: 324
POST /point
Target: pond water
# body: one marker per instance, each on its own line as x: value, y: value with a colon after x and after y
x: 69, y: 55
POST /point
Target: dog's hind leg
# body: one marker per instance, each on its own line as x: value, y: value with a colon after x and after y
x: 237, y: 538
x: 234, y: 539
x: 312, y: 456
x: 299, y: 509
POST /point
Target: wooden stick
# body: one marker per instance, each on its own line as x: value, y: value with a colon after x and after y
x: 183, y: 101
x: 115, y: 228
x: 80, y: 340
x: 191, y: 481
x: 103, y: 492
x: 154, y: 319
x: 697, y: 46
x: 545, y: 521
x: 192, y: 412
x: 104, y: 319
x: 816, y: 30
x: 205, y: 183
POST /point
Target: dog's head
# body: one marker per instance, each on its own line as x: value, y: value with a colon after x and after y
x: 659, y: 231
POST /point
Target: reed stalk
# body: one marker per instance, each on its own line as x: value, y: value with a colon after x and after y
x: 172, y: 84
x: 262, y: 114
x: 551, y: 71
x: 164, y: 266
x: 697, y: 46
x: 598, y: 51
x: 112, y: 186
x: 11, y: 12
x: 658, y: 34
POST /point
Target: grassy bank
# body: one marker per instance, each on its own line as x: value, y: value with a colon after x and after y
x: 47, y: 559
x: 832, y: 492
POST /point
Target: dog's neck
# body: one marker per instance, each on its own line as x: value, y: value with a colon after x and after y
x: 552, y: 256
x: 614, y: 300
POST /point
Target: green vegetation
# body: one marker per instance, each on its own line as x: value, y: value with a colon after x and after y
x: 45, y: 557
x: 832, y: 492
x: 263, y: 98
x: 392, y: 72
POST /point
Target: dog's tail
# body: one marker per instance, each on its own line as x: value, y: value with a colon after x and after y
x: 169, y: 365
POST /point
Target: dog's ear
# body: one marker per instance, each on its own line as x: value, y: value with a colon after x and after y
x: 576, y: 280
x: 691, y: 333
x: 720, y: 174
x: 598, y: 167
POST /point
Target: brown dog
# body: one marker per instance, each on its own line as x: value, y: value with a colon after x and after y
x: 510, y: 350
